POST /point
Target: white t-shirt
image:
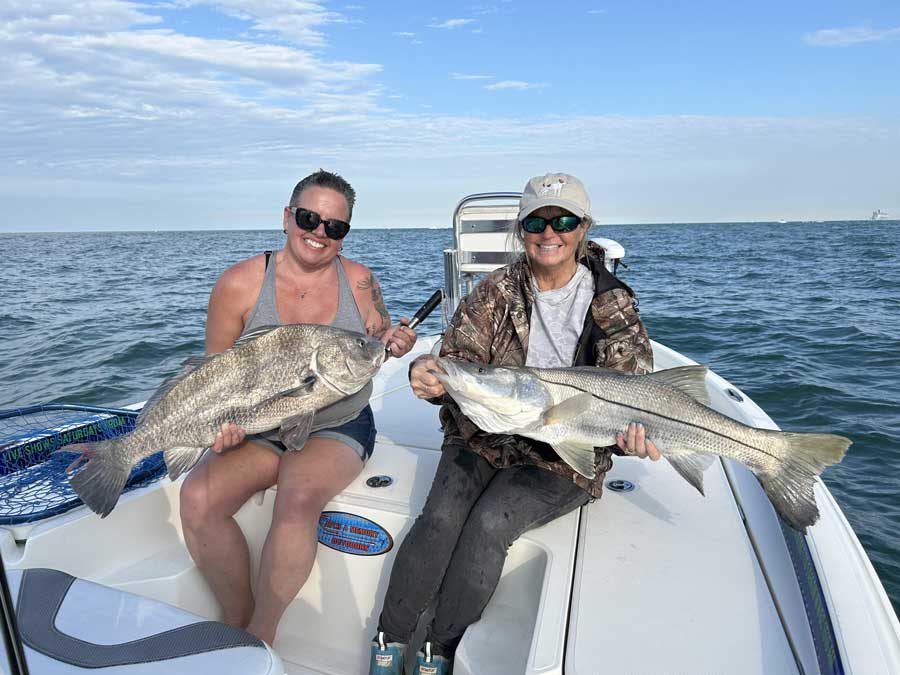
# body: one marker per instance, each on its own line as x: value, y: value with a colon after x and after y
x: 557, y: 318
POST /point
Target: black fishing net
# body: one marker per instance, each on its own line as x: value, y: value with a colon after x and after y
x: 33, y: 482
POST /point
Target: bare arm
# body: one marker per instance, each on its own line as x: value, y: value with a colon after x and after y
x: 377, y: 319
x: 224, y: 318
x: 367, y: 291
x: 224, y: 324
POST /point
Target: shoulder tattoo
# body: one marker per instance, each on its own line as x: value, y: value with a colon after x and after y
x: 383, y: 321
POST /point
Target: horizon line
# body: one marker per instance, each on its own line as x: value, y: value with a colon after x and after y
x: 449, y: 227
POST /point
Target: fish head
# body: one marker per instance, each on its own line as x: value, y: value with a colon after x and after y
x: 498, y: 399
x: 348, y: 360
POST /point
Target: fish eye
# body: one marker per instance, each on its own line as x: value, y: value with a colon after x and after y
x: 361, y: 342
x: 481, y: 371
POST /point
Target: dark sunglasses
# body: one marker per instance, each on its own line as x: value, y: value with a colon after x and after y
x: 536, y: 224
x: 309, y: 221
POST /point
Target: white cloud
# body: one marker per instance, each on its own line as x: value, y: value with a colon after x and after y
x: 296, y: 21
x: 109, y: 92
x: 450, y: 24
x: 58, y: 16
x: 463, y: 76
x: 406, y: 35
x: 844, y: 37
x: 513, y: 84
x: 596, y: 11
x: 115, y: 107
x: 246, y: 159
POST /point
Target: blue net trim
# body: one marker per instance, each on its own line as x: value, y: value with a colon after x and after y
x: 827, y: 653
x: 33, y: 482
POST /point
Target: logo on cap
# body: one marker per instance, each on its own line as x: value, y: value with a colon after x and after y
x: 554, y: 188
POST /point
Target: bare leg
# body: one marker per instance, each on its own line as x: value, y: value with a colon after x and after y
x: 307, y: 481
x: 211, y: 494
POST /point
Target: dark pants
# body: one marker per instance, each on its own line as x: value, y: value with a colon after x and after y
x: 457, y: 546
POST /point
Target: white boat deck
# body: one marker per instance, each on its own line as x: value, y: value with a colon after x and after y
x: 659, y: 579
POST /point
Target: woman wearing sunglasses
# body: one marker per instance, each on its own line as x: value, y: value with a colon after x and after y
x: 307, y: 281
x: 555, y: 306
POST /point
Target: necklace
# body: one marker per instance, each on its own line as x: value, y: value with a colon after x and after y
x: 319, y: 281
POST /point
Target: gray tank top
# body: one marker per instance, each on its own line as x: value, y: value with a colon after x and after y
x: 265, y: 313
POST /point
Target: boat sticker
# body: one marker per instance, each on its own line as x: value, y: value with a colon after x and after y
x: 349, y: 533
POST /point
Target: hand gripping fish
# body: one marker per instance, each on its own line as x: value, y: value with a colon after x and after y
x: 273, y: 377
x: 576, y: 409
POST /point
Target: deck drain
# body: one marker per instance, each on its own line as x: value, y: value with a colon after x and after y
x: 620, y: 485
x: 379, y: 481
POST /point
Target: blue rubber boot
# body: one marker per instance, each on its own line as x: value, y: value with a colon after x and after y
x: 432, y: 664
x: 387, y: 657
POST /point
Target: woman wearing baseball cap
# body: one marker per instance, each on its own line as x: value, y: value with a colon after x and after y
x: 555, y: 306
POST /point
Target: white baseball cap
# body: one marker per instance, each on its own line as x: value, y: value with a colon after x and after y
x: 555, y: 189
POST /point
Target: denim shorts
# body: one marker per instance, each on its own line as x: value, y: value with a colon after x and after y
x: 358, y: 434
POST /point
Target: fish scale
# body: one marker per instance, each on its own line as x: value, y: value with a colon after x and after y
x: 577, y: 409
x: 670, y: 416
x: 275, y: 376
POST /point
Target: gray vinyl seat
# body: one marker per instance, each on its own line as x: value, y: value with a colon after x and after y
x: 70, y: 625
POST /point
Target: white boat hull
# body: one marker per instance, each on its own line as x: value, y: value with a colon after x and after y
x: 659, y: 579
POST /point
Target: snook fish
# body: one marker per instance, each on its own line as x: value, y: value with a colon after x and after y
x: 273, y: 377
x: 576, y: 409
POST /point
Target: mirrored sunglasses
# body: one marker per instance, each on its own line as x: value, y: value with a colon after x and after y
x: 536, y: 224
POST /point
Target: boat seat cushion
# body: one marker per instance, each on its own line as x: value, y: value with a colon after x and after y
x: 68, y: 624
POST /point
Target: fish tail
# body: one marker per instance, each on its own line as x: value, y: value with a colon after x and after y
x: 790, y: 484
x: 100, y: 482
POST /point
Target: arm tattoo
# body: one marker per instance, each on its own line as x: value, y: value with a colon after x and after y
x: 376, y: 329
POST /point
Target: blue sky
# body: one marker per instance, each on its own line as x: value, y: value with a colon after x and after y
x: 192, y: 114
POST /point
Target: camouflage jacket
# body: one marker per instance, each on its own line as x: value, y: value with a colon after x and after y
x: 491, y: 326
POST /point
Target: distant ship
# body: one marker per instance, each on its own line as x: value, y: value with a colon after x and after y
x: 878, y: 214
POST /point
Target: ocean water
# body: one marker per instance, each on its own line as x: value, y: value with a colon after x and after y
x: 803, y: 317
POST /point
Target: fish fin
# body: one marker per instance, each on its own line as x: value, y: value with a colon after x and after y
x: 689, y: 379
x: 305, y: 387
x: 100, y: 482
x: 189, y: 365
x: 582, y: 458
x: 571, y: 407
x: 790, y: 484
x: 691, y: 466
x: 181, y: 460
x: 82, y: 450
x: 249, y: 336
x: 295, y: 430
